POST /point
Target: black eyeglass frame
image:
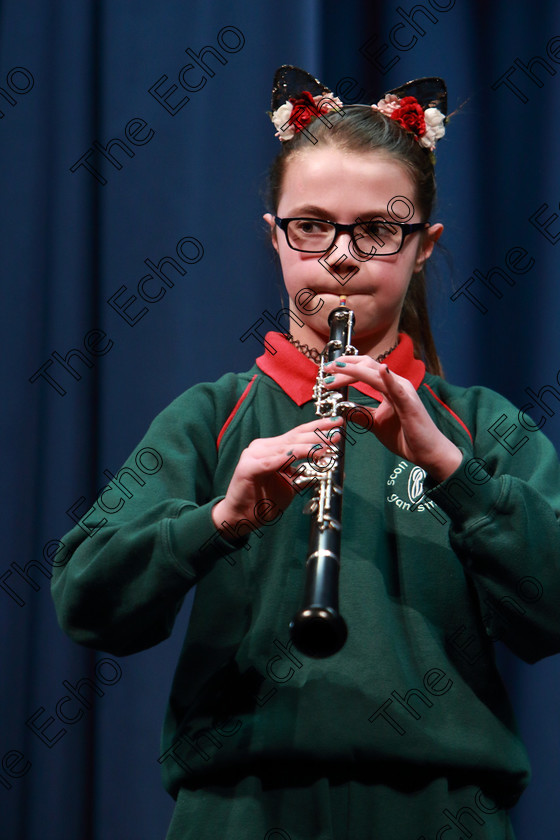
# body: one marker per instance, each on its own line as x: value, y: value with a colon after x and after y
x: 405, y: 227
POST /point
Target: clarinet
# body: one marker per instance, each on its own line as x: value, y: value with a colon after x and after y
x: 318, y: 630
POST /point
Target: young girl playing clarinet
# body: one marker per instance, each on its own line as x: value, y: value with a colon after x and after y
x: 450, y: 537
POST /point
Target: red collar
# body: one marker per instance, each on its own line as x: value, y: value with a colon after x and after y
x: 296, y: 374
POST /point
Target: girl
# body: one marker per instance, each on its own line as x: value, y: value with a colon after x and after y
x: 450, y: 531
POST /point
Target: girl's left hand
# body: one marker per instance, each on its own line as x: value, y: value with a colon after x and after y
x: 401, y: 421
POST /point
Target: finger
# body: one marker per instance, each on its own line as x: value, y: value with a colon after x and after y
x: 268, y: 455
x: 362, y: 415
x: 265, y: 455
x: 404, y: 399
x: 400, y: 396
x: 313, y: 450
x: 349, y: 361
x: 319, y: 430
x: 367, y: 370
x: 337, y: 378
x: 318, y: 423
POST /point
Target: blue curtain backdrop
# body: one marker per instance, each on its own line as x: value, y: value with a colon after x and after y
x: 117, y: 164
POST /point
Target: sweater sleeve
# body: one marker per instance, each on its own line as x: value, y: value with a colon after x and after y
x: 504, y: 508
x: 121, y: 577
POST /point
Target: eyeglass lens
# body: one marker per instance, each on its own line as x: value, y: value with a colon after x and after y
x: 373, y: 237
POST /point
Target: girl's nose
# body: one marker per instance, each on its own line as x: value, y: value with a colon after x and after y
x: 340, y: 261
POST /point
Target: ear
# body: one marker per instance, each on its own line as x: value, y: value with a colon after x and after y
x: 269, y: 219
x: 431, y: 236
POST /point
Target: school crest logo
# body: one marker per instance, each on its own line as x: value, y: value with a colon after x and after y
x: 408, y: 493
x: 416, y: 484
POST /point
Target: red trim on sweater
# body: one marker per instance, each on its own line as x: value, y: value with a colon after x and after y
x: 235, y: 410
x: 296, y: 374
x: 457, y: 418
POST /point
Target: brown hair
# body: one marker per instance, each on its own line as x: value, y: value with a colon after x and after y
x: 362, y: 129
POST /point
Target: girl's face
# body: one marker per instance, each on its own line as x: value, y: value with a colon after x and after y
x: 342, y: 186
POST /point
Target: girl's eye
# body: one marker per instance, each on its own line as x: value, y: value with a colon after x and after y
x: 309, y: 227
x: 379, y: 229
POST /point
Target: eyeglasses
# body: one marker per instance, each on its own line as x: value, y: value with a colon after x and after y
x: 377, y: 237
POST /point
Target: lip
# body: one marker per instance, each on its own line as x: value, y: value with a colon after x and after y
x: 344, y: 292
x: 336, y: 292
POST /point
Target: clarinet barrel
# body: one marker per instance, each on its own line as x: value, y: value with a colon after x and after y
x: 318, y: 630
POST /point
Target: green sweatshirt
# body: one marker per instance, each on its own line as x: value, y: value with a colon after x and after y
x: 427, y: 583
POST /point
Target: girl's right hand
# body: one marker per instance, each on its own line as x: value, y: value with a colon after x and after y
x: 259, y: 475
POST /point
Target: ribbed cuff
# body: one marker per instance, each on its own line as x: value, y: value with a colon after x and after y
x: 195, y: 541
x: 467, y: 495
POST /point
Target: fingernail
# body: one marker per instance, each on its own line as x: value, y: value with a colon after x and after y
x: 334, y: 419
x: 289, y: 452
x: 387, y: 368
x: 341, y: 364
x: 329, y: 378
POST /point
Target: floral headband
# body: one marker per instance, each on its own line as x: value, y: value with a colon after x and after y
x: 419, y: 106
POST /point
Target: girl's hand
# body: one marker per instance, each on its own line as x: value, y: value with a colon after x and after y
x: 401, y: 422
x: 259, y: 476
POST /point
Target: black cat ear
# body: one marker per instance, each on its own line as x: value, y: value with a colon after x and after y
x: 312, y: 99
x: 431, y: 92
x: 291, y: 81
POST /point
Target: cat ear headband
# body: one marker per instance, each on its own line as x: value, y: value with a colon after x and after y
x: 419, y: 106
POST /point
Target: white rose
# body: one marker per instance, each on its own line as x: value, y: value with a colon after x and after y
x: 435, y: 122
x: 388, y: 104
x: 331, y: 102
x: 435, y: 128
x: 280, y: 118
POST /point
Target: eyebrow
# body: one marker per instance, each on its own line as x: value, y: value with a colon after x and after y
x: 316, y: 212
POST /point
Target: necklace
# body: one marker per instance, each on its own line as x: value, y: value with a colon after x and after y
x: 315, y: 355
x: 310, y: 352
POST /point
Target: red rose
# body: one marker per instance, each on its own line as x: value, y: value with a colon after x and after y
x: 304, y: 110
x: 410, y: 116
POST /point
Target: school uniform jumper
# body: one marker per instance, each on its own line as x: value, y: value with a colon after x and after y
x: 407, y: 732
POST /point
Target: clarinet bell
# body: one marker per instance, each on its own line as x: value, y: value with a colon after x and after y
x: 318, y: 632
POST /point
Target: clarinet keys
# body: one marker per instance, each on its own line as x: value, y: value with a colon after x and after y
x: 318, y: 630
